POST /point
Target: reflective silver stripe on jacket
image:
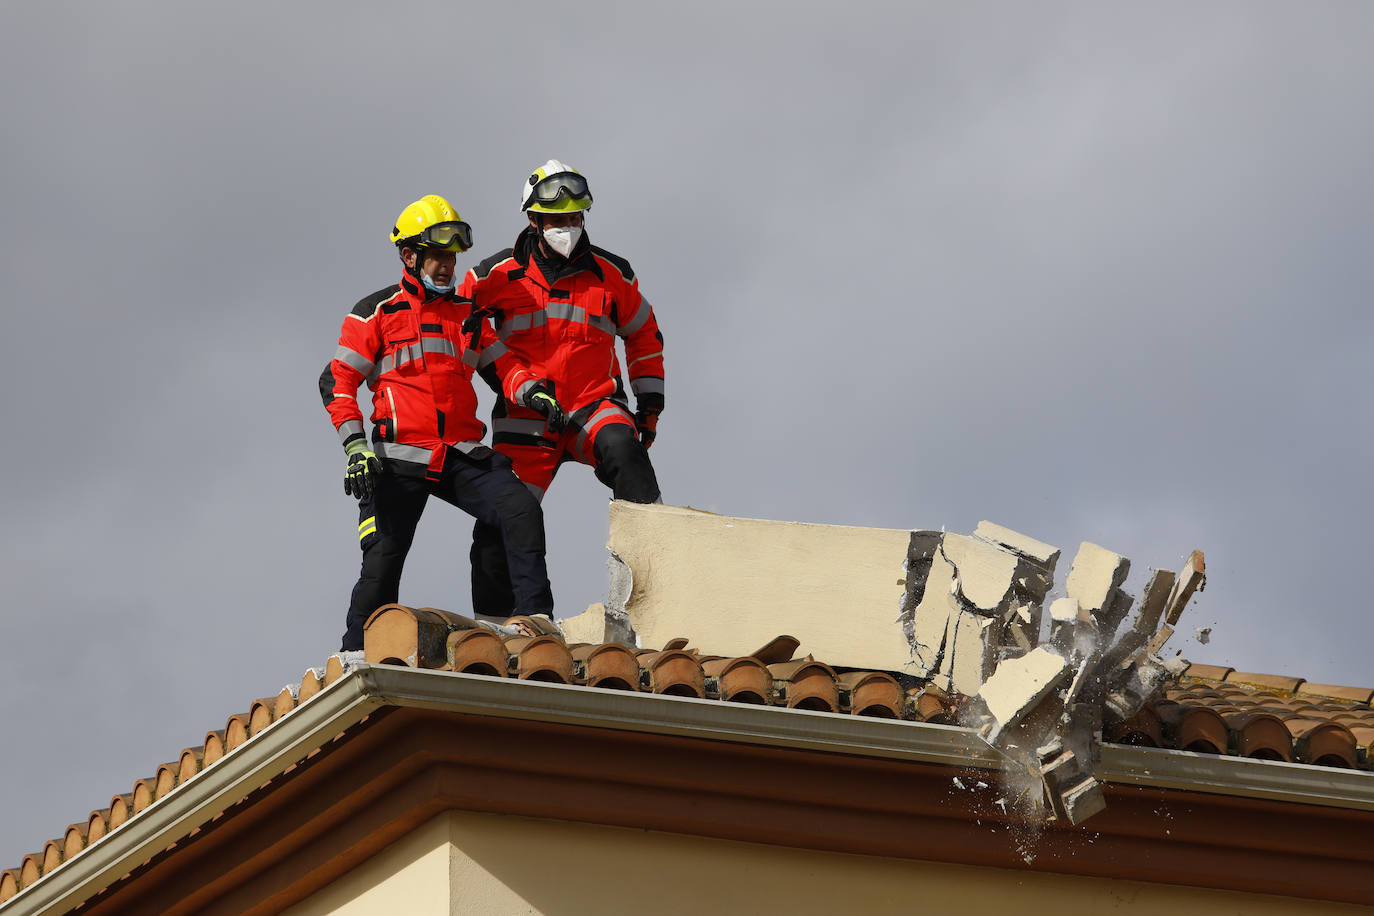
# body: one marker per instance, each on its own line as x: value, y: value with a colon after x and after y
x: 353, y: 358
x: 603, y: 413
x: 400, y: 452
x: 517, y: 425
x: 438, y: 345
x: 563, y: 311
x: 470, y: 358
x: 491, y: 354
x: 646, y: 385
x: 523, y: 323
x: 566, y: 311
x: 523, y: 390
x: 641, y: 316
x: 393, y: 361
x: 467, y: 447
x: 348, y: 429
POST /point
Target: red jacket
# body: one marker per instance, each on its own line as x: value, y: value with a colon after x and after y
x: 411, y: 349
x: 565, y: 330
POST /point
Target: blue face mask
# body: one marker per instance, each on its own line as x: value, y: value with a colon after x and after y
x: 434, y: 287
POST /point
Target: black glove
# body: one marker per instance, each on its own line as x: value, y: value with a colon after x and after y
x: 360, y: 480
x: 540, y: 397
x: 646, y: 423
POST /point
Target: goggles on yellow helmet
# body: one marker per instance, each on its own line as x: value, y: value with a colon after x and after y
x: 563, y: 184
x: 452, y: 235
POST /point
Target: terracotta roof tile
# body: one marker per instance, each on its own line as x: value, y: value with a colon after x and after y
x: 121, y: 807
x: 871, y: 693
x: 97, y: 826
x: 1322, y: 743
x: 610, y: 666
x: 1354, y: 694
x: 311, y: 683
x: 189, y: 763
x: 213, y: 748
x: 143, y: 794
x: 261, y: 714
x: 540, y: 658
x: 675, y: 672
x: 236, y: 729
x: 74, y: 840
x: 1206, y: 673
x: 1202, y: 730
x: 52, y: 855
x: 1259, y: 735
x: 30, y: 869
x: 286, y: 701
x: 1144, y: 729
x: 738, y: 680
x: 9, y: 883
x: 1277, y: 683
x: 476, y: 651
x: 806, y: 684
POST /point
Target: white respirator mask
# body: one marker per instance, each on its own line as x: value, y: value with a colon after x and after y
x: 563, y: 240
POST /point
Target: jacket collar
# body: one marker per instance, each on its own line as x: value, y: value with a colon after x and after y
x: 415, y: 289
x: 526, y: 246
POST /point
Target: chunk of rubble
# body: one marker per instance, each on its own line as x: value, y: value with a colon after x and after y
x: 1028, y: 547
x: 952, y: 581
x: 1095, y: 581
x: 1018, y: 686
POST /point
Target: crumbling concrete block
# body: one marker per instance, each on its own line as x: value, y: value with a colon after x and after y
x: 1018, y: 685
x: 589, y: 626
x: 1083, y: 801
x: 1135, y: 686
x: 734, y: 583
x: 1192, y: 579
x: 984, y: 572
x: 1038, y: 551
x: 1071, y: 789
x: 1064, y: 615
x: 1096, y: 576
x: 1153, y: 601
x: 971, y: 651
x: 1034, y: 579
x: 927, y: 623
x: 1020, y: 629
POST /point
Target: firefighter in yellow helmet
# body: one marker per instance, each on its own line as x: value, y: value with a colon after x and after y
x: 560, y: 303
x: 415, y: 344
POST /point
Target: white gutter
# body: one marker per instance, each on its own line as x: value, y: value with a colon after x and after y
x: 368, y: 688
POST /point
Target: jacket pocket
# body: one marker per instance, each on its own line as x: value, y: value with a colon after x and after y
x: 387, y: 424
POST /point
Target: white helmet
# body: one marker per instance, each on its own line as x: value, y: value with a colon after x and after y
x: 555, y: 187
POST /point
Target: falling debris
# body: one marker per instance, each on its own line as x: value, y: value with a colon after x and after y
x: 1203, y: 635
x: 972, y: 612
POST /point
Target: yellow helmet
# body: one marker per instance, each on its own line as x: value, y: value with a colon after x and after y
x: 431, y: 222
x: 555, y: 187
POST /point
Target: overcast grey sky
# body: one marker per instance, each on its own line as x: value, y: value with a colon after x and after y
x: 1092, y: 271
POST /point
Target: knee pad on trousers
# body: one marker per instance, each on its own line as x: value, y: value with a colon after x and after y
x: 622, y: 463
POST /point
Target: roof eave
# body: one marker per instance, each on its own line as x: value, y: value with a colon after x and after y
x: 370, y: 688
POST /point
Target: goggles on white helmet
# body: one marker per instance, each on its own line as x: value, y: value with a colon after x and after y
x: 563, y: 184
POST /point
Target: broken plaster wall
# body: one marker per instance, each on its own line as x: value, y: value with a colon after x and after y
x: 732, y: 584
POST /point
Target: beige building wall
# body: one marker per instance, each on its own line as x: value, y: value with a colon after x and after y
x: 743, y: 581
x: 493, y: 864
x: 411, y: 877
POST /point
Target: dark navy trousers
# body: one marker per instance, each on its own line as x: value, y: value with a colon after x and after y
x: 484, y: 487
